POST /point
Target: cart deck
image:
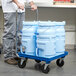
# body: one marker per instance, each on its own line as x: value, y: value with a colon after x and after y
x: 47, y: 60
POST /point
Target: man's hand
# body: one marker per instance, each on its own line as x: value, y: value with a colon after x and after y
x: 20, y: 5
x: 33, y: 6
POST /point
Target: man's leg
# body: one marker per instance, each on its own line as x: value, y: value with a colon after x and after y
x: 9, y: 37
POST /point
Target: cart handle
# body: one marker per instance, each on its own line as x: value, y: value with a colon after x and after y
x: 37, y: 13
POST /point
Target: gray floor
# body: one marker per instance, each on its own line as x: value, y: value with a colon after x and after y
x: 69, y: 69
x: 1, y: 25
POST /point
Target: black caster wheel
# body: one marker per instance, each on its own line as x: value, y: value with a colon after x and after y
x: 60, y: 63
x: 38, y: 61
x: 22, y: 63
x: 38, y: 66
x: 45, y: 70
x: 0, y: 52
x: 26, y: 59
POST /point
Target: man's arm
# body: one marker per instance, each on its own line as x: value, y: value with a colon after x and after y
x: 33, y: 6
x: 20, y: 5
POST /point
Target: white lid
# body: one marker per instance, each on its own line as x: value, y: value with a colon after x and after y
x: 60, y: 23
x: 46, y: 23
x: 30, y: 23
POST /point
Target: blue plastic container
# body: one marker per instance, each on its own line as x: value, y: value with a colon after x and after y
x: 60, y: 37
x: 43, y: 38
x: 46, y: 39
x: 30, y: 27
x: 29, y: 37
x: 46, y: 28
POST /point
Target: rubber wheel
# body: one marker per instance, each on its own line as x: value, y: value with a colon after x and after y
x: 23, y: 64
x: 38, y: 61
x: 60, y: 64
x: 26, y: 59
x: 46, y: 71
x: 38, y: 66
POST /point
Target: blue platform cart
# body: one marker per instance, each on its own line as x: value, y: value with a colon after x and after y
x: 44, y: 67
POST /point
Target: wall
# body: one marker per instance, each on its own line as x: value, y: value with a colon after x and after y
x: 39, y: 1
x: 44, y: 1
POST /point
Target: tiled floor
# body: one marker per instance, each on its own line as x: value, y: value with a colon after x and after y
x: 69, y: 69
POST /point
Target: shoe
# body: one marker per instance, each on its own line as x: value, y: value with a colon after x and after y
x: 11, y: 61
